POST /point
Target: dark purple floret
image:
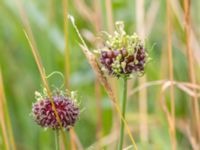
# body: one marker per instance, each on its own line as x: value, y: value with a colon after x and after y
x: 133, y: 62
x: 44, y: 114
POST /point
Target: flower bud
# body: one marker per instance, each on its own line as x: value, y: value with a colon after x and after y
x: 45, y: 116
x: 123, y: 54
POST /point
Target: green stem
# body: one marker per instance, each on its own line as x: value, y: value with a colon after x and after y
x: 123, y: 107
x: 57, y: 140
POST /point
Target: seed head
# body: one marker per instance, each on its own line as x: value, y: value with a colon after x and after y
x: 45, y: 116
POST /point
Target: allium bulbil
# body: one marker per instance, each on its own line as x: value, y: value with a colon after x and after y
x: 122, y: 54
x: 66, y: 107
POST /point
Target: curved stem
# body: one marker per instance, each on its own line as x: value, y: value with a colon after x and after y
x: 123, y: 107
x: 57, y: 140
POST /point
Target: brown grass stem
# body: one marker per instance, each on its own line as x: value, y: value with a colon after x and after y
x: 2, y: 116
x: 44, y: 80
x: 72, y: 139
x: 110, y: 27
x: 171, y: 76
x: 109, y: 15
x: 103, y: 80
x: 98, y: 27
x: 6, y: 112
x: 65, y: 4
x: 191, y: 70
x: 140, y: 24
x: 32, y: 43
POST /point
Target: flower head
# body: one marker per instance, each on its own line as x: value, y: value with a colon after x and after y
x: 123, y: 54
x: 45, y: 116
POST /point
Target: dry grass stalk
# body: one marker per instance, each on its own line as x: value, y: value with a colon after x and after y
x: 113, y: 81
x: 177, y: 9
x: 78, y: 143
x: 92, y: 60
x: 186, y: 87
x: 45, y: 82
x: 163, y: 104
x: 151, y: 16
x: 84, y: 10
x: 145, y: 85
x: 98, y: 27
x: 185, y: 129
x: 2, y: 116
x: 98, y: 109
x: 6, y: 112
x: 143, y: 93
x: 165, y: 86
x: 103, y: 80
x: 109, y: 15
x: 172, y: 129
x: 96, y: 68
x: 195, y: 104
x: 30, y: 38
x: 104, y: 141
x: 72, y: 139
x: 98, y: 16
x: 67, y: 63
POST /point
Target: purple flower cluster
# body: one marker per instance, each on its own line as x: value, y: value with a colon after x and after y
x: 127, y: 63
x: 44, y: 114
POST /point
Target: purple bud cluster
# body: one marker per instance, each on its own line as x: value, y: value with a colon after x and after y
x: 133, y: 62
x: 45, y: 116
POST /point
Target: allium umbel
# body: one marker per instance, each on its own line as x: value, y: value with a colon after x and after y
x: 45, y: 116
x: 123, y: 54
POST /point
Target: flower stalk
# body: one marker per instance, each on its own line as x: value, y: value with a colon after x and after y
x: 57, y: 139
x: 123, y: 107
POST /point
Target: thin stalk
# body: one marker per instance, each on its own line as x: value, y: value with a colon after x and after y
x: 72, y: 139
x: 7, y: 116
x: 123, y: 107
x: 57, y: 144
x: 98, y: 26
x: 67, y: 50
x: 171, y: 76
x: 3, y: 125
x: 140, y: 26
x: 108, y: 15
x: 103, y: 80
x: 65, y: 4
x: 30, y: 37
x: 192, y: 76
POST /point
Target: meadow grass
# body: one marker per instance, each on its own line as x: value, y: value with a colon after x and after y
x: 162, y: 107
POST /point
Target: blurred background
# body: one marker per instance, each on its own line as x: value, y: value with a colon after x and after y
x: 58, y: 45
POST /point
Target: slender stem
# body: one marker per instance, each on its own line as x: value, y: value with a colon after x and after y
x: 57, y: 140
x: 123, y: 107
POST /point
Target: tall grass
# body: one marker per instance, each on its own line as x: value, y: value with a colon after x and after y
x: 32, y: 43
x: 67, y: 62
x: 6, y: 126
x: 172, y: 124
x: 171, y: 24
x: 191, y: 70
x: 140, y: 27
